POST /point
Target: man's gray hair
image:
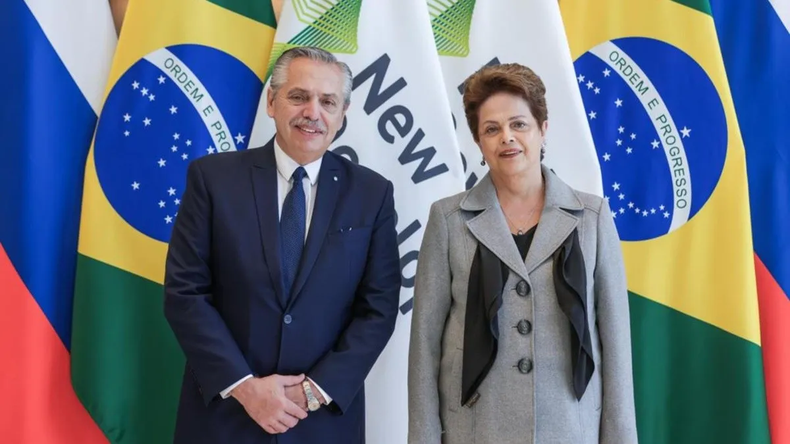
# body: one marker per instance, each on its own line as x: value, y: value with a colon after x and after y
x: 280, y: 70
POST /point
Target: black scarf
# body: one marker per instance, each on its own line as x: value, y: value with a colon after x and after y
x: 484, y: 299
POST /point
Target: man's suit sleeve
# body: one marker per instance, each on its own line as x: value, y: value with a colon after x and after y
x: 343, y: 370
x: 211, y: 353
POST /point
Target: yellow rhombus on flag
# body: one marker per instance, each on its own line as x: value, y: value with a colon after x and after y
x: 185, y: 82
x: 654, y: 88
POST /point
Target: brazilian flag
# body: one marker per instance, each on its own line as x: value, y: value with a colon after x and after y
x: 185, y: 82
x: 658, y: 104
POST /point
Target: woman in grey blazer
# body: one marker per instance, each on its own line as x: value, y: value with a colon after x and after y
x: 520, y: 330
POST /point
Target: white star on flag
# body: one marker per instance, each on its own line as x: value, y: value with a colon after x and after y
x: 184, y: 156
x: 174, y: 148
x: 633, y: 136
x: 127, y: 117
x: 177, y: 201
x: 652, y: 211
x: 210, y: 150
x: 144, y: 91
x: 126, y: 133
x: 616, y: 186
x: 168, y: 219
x: 655, y: 143
x: 239, y: 138
x: 147, y: 121
x: 188, y: 142
x: 161, y: 163
x: 666, y: 215
x: 161, y: 79
x: 619, y: 142
x: 173, y: 110
x: 606, y: 156
x: 151, y: 97
x: 620, y: 130
x: 580, y: 78
x: 592, y: 115
x: 135, y: 185
x: 597, y: 90
x: 629, y: 150
x: 161, y: 204
x: 621, y: 196
x: 686, y: 132
x: 606, y: 72
x: 644, y: 213
x: 622, y: 210
x: 176, y: 136
x: 630, y: 205
x: 661, y: 208
x: 171, y: 191
x: 135, y: 85
x: 590, y: 85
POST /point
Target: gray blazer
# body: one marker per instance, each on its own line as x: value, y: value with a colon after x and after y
x: 530, y: 403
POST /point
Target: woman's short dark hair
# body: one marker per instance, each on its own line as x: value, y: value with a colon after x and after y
x: 509, y: 78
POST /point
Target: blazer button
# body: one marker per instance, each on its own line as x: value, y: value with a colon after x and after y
x: 522, y: 288
x: 524, y: 327
x: 287, y: 319
x: 525, y: 365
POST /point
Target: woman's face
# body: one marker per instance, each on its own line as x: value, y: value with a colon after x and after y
x: 509, y: 136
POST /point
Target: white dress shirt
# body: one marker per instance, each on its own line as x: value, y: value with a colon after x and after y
x: 285, y: 169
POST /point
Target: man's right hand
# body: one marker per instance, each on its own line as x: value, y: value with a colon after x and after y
x: 265, y: 401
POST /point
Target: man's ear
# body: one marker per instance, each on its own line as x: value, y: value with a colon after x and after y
x: 270, y: 102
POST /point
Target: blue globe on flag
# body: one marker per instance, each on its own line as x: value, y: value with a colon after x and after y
x: 171, y: 107
x: 661, y: 137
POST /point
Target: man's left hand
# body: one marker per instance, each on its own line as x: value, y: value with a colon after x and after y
x: 296, y: 394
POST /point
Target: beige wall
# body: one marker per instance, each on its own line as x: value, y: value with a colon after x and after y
x: 119, y: 10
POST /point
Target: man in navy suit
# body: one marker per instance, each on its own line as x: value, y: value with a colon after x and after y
x: 282, y: 279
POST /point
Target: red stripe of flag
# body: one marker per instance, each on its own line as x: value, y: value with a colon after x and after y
x: 40, y: 405
x: 775, y: 330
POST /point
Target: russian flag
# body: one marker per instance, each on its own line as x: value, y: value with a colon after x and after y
x: 755, y: 44
x: 55, y: 60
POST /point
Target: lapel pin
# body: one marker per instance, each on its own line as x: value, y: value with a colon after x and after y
x: 335, y: 178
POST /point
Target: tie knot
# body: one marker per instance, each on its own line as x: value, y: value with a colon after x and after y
x: 298, y: 175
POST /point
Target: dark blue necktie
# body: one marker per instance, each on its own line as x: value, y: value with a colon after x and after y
x: 292, y: 230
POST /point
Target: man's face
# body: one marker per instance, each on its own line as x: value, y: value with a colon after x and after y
x: 308, y: 109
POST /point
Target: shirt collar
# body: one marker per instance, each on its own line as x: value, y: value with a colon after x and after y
x: 286, y: 166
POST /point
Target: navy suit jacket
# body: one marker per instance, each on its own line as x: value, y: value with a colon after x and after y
x: 224, y: 301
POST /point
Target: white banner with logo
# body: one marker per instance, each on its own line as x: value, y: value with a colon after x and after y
x: 471, y: 34
x: 389, y: 47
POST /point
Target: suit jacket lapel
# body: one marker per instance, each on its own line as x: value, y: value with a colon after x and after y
x: 490, y: 227
x: 556, y: 222
x: 264, y: 183
x: 325, y: 201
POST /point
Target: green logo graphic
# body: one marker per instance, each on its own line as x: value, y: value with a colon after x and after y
x: 451, y: 22
x: 332, y: 27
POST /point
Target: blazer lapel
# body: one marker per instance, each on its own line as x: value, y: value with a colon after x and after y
x: 556, y: 223
x: 490, y: 227
x: 264, y: 184
x: 325, y: 201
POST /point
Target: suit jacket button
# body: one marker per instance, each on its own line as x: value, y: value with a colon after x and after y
x: 287, y: 319
x: 525, y: 365
x: 524, y: 327
x: 522, y: 288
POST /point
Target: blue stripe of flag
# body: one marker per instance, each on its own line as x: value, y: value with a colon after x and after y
x: 756, y: 50
x: 46, y: 125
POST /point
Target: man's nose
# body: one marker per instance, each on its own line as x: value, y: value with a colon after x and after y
x: 312, y: 110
